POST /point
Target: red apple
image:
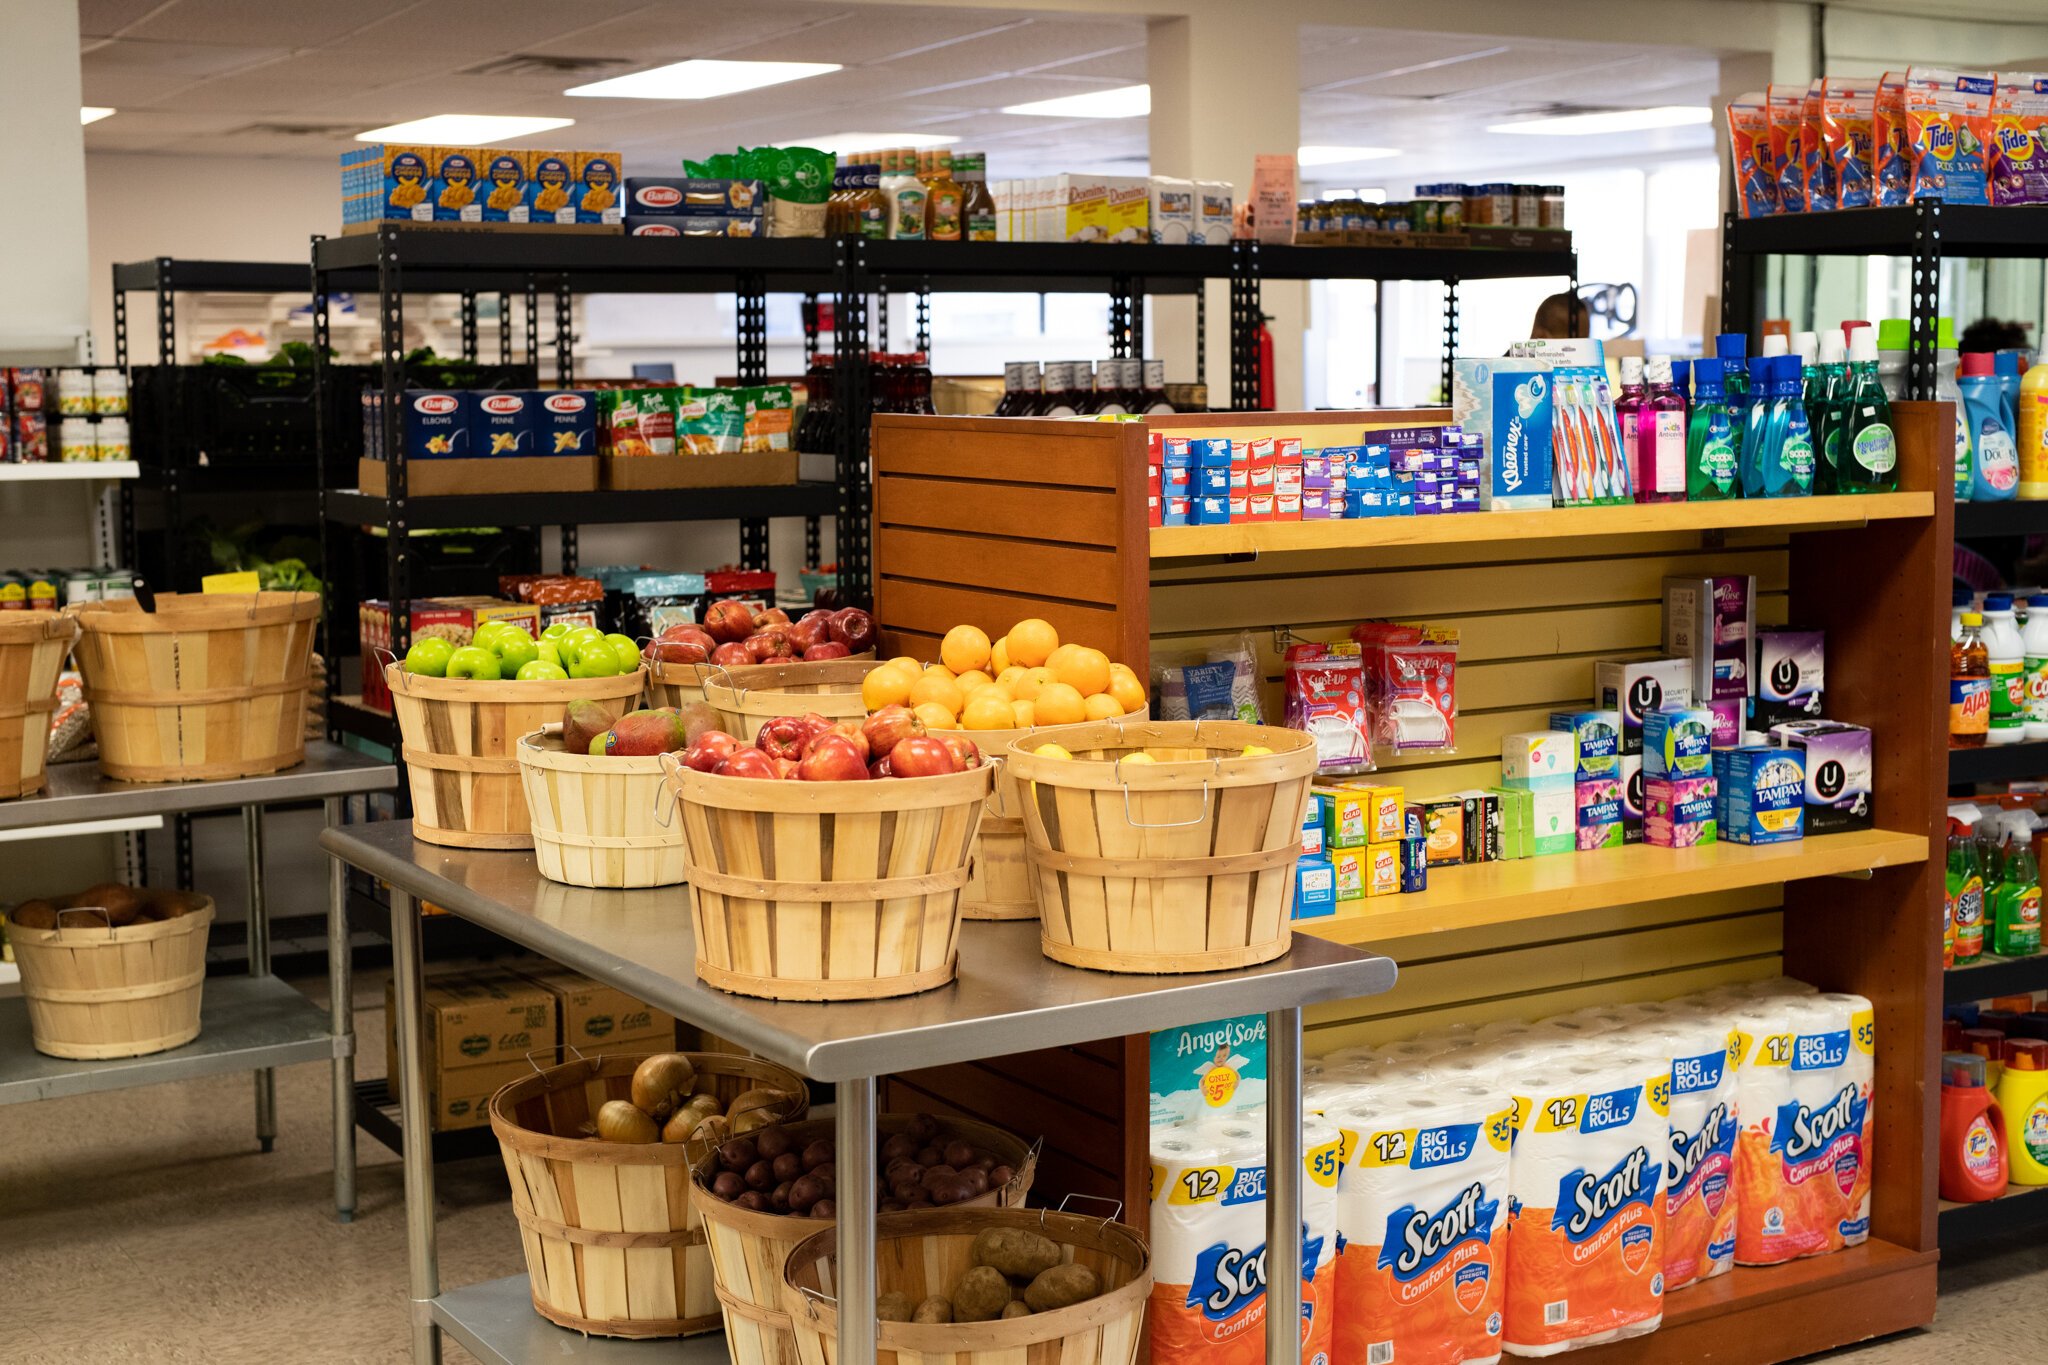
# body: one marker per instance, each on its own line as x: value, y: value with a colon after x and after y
x: 808, y: 633
x: 784, y: 737
x: 770, y: 646
x: 833, y: 758
x: 712, y: 748
x: 889, y: 727
x: 676, y: 651
x: 773, y: 616
x: 784, y: 768
x: 923, y: 756
x: 964, y: 749
x: 733, y: 654
x: 815, y: 614
x: 853, y: 628
x: 880, y: 769
x: 749, y: 763
x: 729, y: 621
x: 830, y: 649
x: 685, y: 630
x: 848, y: 730
x: 815, y: 723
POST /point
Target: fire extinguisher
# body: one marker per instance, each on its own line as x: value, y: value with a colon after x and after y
x: 1265, y: 363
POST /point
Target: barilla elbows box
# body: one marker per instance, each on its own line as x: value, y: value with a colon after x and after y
x: 1597, y: 735
x: 435, y: 424
x: 1539, y: 756
x: 455, y: 186
x: 1636, y: 687
x: 1790, y: 676
x: 550, y: 180
x: 1762, y: 794
x: 501, y: 423
x: 1508, y: 403
x: 1711, y: 621
x: 1678, y: 741
x: 564, y: 422
x: 503, y: 187
x: 1599, y: 812
x: 1840, y: 768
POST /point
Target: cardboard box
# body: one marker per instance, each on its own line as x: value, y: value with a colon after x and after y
x: 1553, y: 813
x: 596, y: 1018
x: 1636, y: 687
x: 1840, y: 767
x: 1315, y: 888
x: 1791, y: 676
x: 550, y: 180
x: 455, y: 188
x: 538, y: 474
x: 1349, y: 866
x: 1537, y: 756
x: 1597, y: 737
x: 407, y: 182
x: 1678, y: 741
x: 1761, y: 794
x: 753, y: 469
x: 460, y: 1097
x: 1632, y: 798
x: 477, y: 1018
x: 1517, y: 821
x: 1599, y: 812
x: 596, y: 190
x: 1711, y: 621
x: 1679, y: 812
x: 1383, y: 870
x: 503, y: 188
x: 1443, y: 831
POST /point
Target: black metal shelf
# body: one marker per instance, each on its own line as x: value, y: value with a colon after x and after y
x: 2013, y: 518
x: 1991, y: 976
x: 2020, y: 1208
x: 1961, y: 229
x: 377, y: 1115
x: 606, y: 506
x: 1997, y: 763
x: 220, y: 277
x: 1410, y: 263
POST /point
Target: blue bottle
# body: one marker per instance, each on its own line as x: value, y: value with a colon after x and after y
x: 1788, y: 444
x: 2011, y: 368
x: 1681, y: 379
x: 1755, y: 424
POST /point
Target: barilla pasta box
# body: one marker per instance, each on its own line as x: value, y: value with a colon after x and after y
x: 550, y: 177
x: 1761, y: 791
x: 1947, y: 116
x: 1636, y: 687
x: 1507, y: 402
x: 1678, y: 741
x: 1839, y: 772
x: 564, y: 422
x: 668, y: 196
x: 595, y: 189
x: 1596, y: 736
x: 1315, y: 888
x: 501, y: 423
x: 503, y: 186
x: 437, y: 424
x: 456, y: 186
x: 1539, y: 756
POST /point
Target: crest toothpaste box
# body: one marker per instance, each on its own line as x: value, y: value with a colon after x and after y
x: 1636, y: 687
x: 1761, y: 793
x: 1508, y: 404
x: 1678, y: 741
x: 1599, y: 740
x: 1790, y: 676
x: 1839, y: 772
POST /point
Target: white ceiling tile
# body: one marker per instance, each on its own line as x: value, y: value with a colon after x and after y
x: 191, y: 60
x: 262, y: 21
x: 487, y: 27
x: 104, y: 18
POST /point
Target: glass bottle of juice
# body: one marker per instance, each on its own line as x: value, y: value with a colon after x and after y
x: 1710, y: 438
x: 1660, y: 438
x: 1966, y: 874
x: 2016, y: 906
x: 869, y: 202
x: 977, y: 205
x: 1969, y: 686
x: 943, y: 218
x: 1152, y: 396
x: 1869, y: 452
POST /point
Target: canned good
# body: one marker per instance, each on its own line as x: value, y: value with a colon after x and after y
x: 1451, y: 209
x: 1425, y: 215
x: 1552, y: 206
x: 80, y: 585
x: 74, y: 393
x: 76, y: 440
x: 115, y: 583
x: 110, y: 393
x: 1395, y: 218
x: 1528, y: 206
x: 13, y: 593
x: 1500, y: 204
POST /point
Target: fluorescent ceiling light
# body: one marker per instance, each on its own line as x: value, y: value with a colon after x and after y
x: 478, y: 130
x: 92, y: 113
x: 1129, y: 101
x: 868, y: 142
x: 1610, y: 121
x: 1338, y: 156
x: 700, y: 79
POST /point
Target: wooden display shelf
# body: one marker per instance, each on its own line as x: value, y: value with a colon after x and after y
x: 1561, y: 523
x: 1567, y: 883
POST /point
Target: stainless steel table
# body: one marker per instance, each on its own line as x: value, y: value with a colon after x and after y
x: 1009, y: 998
x: 254, y: 1023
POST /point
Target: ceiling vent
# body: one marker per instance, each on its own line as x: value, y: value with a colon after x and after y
x: 326, y: 132
x: 536, y: 64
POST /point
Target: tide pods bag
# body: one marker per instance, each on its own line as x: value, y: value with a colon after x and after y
x: 1785, y: 106
x: 1848, y: 134
x: 1813, y: 149
x: 1891, y: 143
x: 1756, y: 172
x: 1947, y: 115
x: 2016, y: 140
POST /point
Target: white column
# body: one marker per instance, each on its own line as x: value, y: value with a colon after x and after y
x: 43, y: 296
x: 1226, y: 86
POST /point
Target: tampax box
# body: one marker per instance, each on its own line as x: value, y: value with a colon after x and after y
x: 1539, y: 756
x: 1599, y: 812
x: 595, y: 191
x: 1790, y: 676
x: 1597, y: 735
x: 1315, y: 888
x: 456, y: 187
x: 501, y: 423
x: 1678, y: 812
x: 1636, y: 687
x: 1761, y: 794
x: 1678, y: 741
x: 1840, y: 767
x: 1711, y: 621
x: 1383, y: 870
x: 1508, y: 403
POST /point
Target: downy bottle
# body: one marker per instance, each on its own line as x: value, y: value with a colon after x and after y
x: 1995, y: 473
x: 1788, y: 449
x: 1710, y: 439
x: 1826, y: 397
x: 1868, y: 457
x: 1660, y: 438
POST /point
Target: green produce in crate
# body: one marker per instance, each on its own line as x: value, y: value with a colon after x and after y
x: 626, y: 650
x: 429, y: 657
x: 474, y: 662
x: 542, y: 670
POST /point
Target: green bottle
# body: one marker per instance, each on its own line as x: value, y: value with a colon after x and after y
x: 2016, y: 906
x: 1826, y: 400
x: 1966, y: 878
x: 1710, y: 452
x: 1868, y: 457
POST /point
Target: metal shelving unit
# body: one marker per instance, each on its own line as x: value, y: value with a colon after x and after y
x: 1992, y: 975
x: 1997, y: 762
x: 2019, y: 1209
x: 1007, y: 992
x: 251, y: 1023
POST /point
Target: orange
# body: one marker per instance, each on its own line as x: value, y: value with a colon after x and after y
x: 999, y: 657
x: 1024, y: 714
x: 1059, y: 704
x: 1124, y: 669
x: 935, y: 716
x: 1101, y: 706
x: 907, y: 664
x: 965, y: 649
x: 1001, y: 689
x: 937, y: 668
x: 972, y: 681
x: 939, y: 689
x: 1011, y: 674
x: 1026, y: 687
x: 1031, y: 642
x: 1085, y: 670
x: 1059, y: 656
x: 1128, y: 691
x: 885, y: 686
x: 987, y: 711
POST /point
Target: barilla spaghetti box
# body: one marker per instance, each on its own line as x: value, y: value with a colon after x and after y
x: 1678, y: 741
x: 1636, y: 687
x: 1539, y: 756
x: 501, y: 423
x: 564, y: 422
x: 1839, y: 771
x: 1507, y: 402
x: 503, y: 186
x: 1711, y: 620
x: 455, y: 188
x: 1597, y: 737
x: 550, y: 182
x: 1599, y: 812
x: 1315, y: 888
x: 1791, y: 676
x: 1761, y: 791
x: 595, y: 189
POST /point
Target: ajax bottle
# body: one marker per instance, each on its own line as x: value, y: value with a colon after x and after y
x: 1995, y: 474
x: 1969, y: 686
x: 1868, y: 457
x: 2016, y: 905
x: 1973, y: 1165
x: 2023, y: 1099
x: 1710, y: 438
x: 2032, y: 430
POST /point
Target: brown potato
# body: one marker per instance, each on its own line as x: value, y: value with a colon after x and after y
x: 894, y: 1306
x: 1062, y: 1287
x: 933, y: 1309
x: 981, y: 1295
x: 1016, y: 1308
x: 1017, y: 1252
x: 33, y: 915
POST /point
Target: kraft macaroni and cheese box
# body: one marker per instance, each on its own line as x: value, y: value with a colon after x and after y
x: 564, y: 422
x: 1678, y: 812
x: 1678, y: 741
x: 455, y: 189
x: 502, y: 186
x: 501, y: 423
x: 1791, y: 676
x: 1539, y: 756
x: 408, y: 182
x: 1636, y: 687
x: 1599, y: 812
x: 1315, y: 888
x: 550, y: 186
x: 1383, y: 870
x: 1598, y: 737
x: 1761, y: 792
x: 1507, y: 402
x: 1711, y: 620
x: 1632, y: 798
x: 595, y: 192
x: 1840, y: 766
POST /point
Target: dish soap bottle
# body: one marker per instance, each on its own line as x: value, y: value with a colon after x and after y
x: 1825, y: 402
x: 1710, y: 438
x: 1973, y: 1165
x: 2016, y: 906
x: 1788, y: 444
x: 1869, y: 455
x: 2023, y: 1098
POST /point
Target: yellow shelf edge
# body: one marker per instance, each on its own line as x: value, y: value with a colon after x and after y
x: 1467, y: 897
x: 1277, y: 537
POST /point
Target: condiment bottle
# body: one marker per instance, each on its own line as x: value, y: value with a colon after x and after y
x: 943, y: 219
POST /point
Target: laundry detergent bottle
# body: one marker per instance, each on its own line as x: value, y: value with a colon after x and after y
x: 1995, y: 471
x: 2023, y: 1099
x: 1973, y: 1164
x: 2033, y: 432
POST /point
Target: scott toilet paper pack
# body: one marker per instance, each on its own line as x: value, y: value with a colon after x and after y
x: 1422, y: 1224
x: 1699, y: 1164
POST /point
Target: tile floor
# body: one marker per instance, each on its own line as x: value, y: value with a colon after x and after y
x: 145, y: 1226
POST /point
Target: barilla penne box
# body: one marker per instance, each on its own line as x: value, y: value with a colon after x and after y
x: 564, y: 422
x: 1756, y: 172
x: 1597, y: 735
x: 1539, y: 756
x: 1678, y: 741
x: 501, y: 423
x: 1507, y: 402
x: 1761, y: 791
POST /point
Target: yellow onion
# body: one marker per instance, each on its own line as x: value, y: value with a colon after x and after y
x: 623, y: 1121
x: 663, y: 1082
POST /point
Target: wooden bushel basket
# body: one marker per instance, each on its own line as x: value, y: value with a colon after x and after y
x: 678, y: 685
x: 750, y: 1250
x: 597, y: 820
x: 924, y: 1254
x: 461, y: 738
x: 1183, y: 864
x: 752, y: 697
x: 96, y: 991
x: 999, y: 881
x: 827, y: 890
x: 32, y: 649
x: 206, y: 686
x: 614, y: 1245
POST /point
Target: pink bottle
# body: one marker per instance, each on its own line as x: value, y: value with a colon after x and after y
x: 1660, y: 437
x: 1627, y: 412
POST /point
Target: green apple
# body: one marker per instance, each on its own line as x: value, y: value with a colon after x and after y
x: 516, y: 651
x: 550, y: 651
x: 429, y: 657
x: 556, y: 631
x: 542, y: 670
x: 595, y: 660
x: 473, y: 662
x: 487, y: 635
x: 626, y: 649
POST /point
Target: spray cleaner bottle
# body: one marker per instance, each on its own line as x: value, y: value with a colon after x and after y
x: 1710, y: 452
x: 2016, y: 904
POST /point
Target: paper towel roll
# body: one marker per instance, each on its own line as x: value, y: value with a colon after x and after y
x: 1421, y: 1217
x: 1699, y: 1164
x: 1587, y: 1176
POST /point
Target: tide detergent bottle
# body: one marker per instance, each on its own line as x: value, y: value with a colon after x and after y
x: 2023, y: 1099
x: 1973, y: 1164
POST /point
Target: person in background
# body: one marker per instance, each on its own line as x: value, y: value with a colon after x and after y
x: 1561, y: 315
x: 1990, y: 334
